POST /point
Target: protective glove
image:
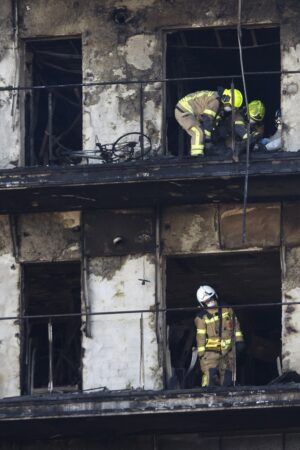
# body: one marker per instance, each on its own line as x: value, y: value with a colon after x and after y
x: 240, y: 347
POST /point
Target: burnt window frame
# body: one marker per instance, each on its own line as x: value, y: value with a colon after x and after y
x: 24, y: 380
x: 27, y: 159
x: 166, y: 349
x: 165, y: 121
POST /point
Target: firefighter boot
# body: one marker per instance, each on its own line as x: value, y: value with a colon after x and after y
x: 227, y: 380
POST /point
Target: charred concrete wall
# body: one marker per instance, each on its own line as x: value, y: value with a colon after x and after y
x: 127, y: 44
x: 9, y: 76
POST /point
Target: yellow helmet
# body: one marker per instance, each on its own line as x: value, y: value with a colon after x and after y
x: 227, y: 97
x: 256, y: 110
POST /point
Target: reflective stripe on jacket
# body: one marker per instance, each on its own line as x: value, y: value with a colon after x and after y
x: 215, y: 332
x: 201, y: 102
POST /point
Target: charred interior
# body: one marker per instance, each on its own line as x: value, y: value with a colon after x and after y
x: 51, y: 347
x: 239, y: 279
x: 53, y: 116
x: 213, y: 52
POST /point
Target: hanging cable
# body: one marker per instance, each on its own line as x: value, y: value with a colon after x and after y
x: 245, y: 197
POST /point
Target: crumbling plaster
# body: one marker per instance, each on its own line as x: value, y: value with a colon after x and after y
x: 190, y: 229
x: 114, y: 352
x: 49, y: 236
x: 9, y: 107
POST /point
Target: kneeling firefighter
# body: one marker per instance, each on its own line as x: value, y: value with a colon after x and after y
x: 197, y: 112
x: 219, y: 339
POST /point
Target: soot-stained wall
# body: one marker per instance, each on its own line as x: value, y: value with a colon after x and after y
x: 123, y: 351
x: 130, y: 49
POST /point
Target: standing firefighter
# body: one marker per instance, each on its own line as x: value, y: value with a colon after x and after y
x: 196, y: 114
x: 219, y: 338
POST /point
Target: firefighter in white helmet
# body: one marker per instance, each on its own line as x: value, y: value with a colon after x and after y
x: 218, y: 337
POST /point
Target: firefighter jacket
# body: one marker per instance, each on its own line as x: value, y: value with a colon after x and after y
x: 203, y: 105
x: 218, y: 329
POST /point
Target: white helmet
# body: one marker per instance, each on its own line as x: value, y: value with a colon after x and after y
x: 204, y: 293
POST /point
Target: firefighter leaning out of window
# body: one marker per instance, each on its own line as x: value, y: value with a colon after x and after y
x: 207, y: 114
x: 219, y: 339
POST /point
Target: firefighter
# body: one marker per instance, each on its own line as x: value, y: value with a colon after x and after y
x: 219, y: 339
x: 256, y: 114
x: 196, y: 114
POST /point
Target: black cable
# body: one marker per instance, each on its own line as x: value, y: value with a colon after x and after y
x: 150, y: 81
x: 246, y: 182
x: 147, y: 311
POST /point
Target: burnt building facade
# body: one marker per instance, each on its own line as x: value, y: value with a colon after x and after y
x: 101, y: 254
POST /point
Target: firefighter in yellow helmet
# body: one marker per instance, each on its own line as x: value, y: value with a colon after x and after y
x: 256, y: 114
x: 196, y: 114
x: 219, y: 339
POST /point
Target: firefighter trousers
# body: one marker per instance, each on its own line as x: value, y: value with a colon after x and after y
x: 217, y: 369
x: 192, y: 126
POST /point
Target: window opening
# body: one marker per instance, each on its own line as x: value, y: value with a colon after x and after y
x: 51, y: 288
x: 238, y: 278
x: 214, y: 52
x: 53, y: 117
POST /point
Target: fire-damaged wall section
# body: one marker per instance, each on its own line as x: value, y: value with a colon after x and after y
x: 126, y: 43
x: 123, y: 350
x: 9, y: 70
x: 290, y: 87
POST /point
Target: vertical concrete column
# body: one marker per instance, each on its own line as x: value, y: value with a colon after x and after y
x: 9, y: 307
x: 123, y: 351
x: 9, y: 109
x: 290, y: 85
x: 291, y: 313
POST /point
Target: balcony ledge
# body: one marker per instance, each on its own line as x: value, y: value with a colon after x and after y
x: 148, y: 183
x: 242, y: 408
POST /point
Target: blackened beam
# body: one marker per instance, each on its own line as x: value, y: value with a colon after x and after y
x: 147, y: 183
x: 158, y: 169
x: 120, y: 403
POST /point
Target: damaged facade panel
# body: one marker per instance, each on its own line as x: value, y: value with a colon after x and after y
x: 113, y: 110
x: 291, y: 224
x: 119, y: 232
x: 49, y: 236
x: 263, y: 226
x: 122, y: 353
x: 190, y: 229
